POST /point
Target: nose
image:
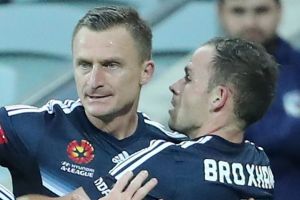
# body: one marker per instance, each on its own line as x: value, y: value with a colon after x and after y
x: 250, y: 20
x: 174, y: 88
x: 97, y: 77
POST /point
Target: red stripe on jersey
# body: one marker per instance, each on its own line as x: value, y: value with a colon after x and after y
x: 2, y: 136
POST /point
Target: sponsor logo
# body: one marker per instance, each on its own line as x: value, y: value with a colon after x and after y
x: 3, y: 139
x: 102, y: 186
x: 120, y: 157
x: 77, y: 169
x: 80, y: 152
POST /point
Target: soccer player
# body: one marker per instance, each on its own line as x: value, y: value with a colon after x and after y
x: 228, y: 85
x: 258, y: 20
x: 61, y: 146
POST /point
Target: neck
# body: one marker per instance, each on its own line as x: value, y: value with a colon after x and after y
x: 271, y: 44
x: 226, y: 128
x: 121, y: 126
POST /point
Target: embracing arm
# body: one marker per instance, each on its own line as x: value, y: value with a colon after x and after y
x: 136, y: 190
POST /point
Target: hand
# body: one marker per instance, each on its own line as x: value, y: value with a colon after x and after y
x: 135, y: 190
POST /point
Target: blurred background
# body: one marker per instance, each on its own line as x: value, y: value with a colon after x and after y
x: 35, y: 47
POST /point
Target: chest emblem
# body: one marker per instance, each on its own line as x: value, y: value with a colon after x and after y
x: 3, y: 139
x: 291, y: 103
x: 80, y: 152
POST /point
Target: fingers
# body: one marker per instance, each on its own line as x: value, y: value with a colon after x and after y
x: 136, y: 190
x: 136, y: 183
x: 123, y: 181
x: 143, y: 191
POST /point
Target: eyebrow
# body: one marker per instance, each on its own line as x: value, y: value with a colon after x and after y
x: 106, y: 60
x: 111, y: 60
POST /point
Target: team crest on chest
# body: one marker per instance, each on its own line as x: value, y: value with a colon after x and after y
x: 3, y: 139
x: 80, y: 152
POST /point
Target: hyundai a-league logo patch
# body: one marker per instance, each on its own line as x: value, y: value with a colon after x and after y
x: 80, y: 152
x: 3, y: 139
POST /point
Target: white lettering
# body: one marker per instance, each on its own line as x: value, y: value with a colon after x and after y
x: 224, y: 172
x: 250, y: 170
x: 210, y: 170
x: 259, y: 176
x: 238, y: 174
x: 271, y: 177
x: 102, y: 186
x: 235, y: 173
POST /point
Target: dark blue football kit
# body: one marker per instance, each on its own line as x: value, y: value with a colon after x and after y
x: 55, y: 149
x: 278, y: 130
x: 208, y: 168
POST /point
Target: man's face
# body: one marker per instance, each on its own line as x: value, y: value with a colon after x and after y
x: 255, y: 20
x: 190, y: 94
x: 108, y: 72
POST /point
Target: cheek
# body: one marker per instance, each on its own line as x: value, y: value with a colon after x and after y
x: 189, y: 101
x: 78, y: 81
x: 269, y: 24
x: 127, y: 84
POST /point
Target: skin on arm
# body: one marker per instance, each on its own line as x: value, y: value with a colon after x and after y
x: 77, y: 194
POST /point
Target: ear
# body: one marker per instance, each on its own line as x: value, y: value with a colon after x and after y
x: 219, y: 97
x: 147, y: 72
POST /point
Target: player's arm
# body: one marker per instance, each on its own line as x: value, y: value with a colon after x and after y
x: 135, y: 189
x: 124, y: 189
x: 77, y: 194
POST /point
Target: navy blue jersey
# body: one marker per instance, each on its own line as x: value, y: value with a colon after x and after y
x: 208, y: 168
x: 54, y: 149
x: 5, y: 194
x: 278, y: 130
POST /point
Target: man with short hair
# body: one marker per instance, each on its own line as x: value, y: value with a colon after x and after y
x: 62, y: 146
x: 228, y: 85
x: 278, y: 130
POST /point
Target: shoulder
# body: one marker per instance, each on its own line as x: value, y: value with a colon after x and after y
x: 140, y: 158
x: 286, y: 54
x: 159, y: 130
x: 256, y: 153
x: 50, y: 107
x: 17, y: 118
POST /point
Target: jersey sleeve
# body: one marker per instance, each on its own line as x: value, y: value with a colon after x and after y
x: 20, y: 131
